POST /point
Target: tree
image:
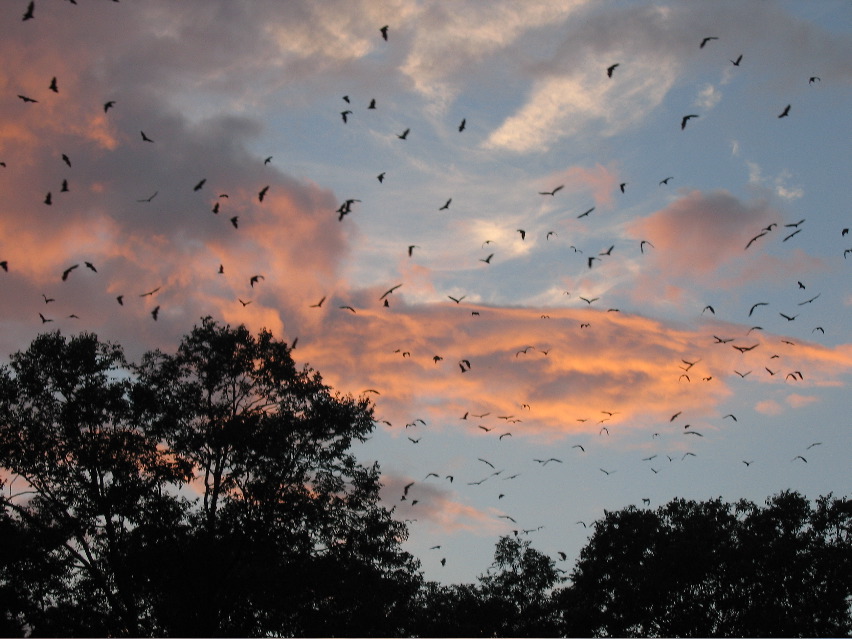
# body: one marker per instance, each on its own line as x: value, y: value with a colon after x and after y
x: 210, y: 492
x: 716, y: 569
x: 514, y: 598
x: 83, y: 479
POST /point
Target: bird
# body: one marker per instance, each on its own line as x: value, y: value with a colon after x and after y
x: 792, y: 234
x: 318, y: 304
x: 120, y: 300
x: 622, y: 186
x: 720, y: 340
x: 30, y: 10
x: 731, y: 415
x: 384, y: 31
x: 389, y: 291
x: 150, y: 293
x: 198, y: 186
x: 221, y: 270
x: 589, y: 301
x: 748, y: 463
x: 91, y: 267
x: 553, y: 192
x: 47, y: 300
x: 462, y: 124
x: 586, y: 213
x: 411, y: 248
x: 67, y: 271
x: 742, y: 375
x: 155, y: 313
x: 756, y: 305
x: 666, y: 180
x: 485, y: 461
x: 108, y: 105
x: 27, y: 99
x: 549, y: 233
x: 148, y: 199
x: 814, y: 78
x: 799, y: 457
x: 254, y: 279
x: 145, y: 138
x: 403, y: 135
x: 446, y: 205
x: 505, y: 435
x: 457, y: 300
x: 606, y: 472
x: 487, y: 260
x: 675, y: 416
x: 611, y: 68
x: 381, y: 177
x: 743, y: 349
x: 244, y: 303
x: 372, y: 104
x: 579, y: 446
x: 268, y: 160
x: 706, y: 40
x: 523, y: 234
x: 709, y: 308
x: 642, y: 245
x: 215, y: 208
x: 754, y: 239
x: 64, y: 188
x: 592, y: 259
x: 785, y: 112
x: 686, y: 119
x: 810, y: 300
x: 344, y: 115
x: 787, y: 317
x: 814, y: 444
x: 346, y: 308
x: 44, y: 320
x: 66, y: 159
x: 262, y: 193
x: 736, y: 62
x: 48, y: 199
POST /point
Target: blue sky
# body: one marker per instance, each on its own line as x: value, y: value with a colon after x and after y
x: 221, y: 86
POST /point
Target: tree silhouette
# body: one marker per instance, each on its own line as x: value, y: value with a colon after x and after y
x: 210, y: 492
x: 716, y: 569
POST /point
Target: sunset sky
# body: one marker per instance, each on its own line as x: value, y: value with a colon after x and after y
x: 638, y: 391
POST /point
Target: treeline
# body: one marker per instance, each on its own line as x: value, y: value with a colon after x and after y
x: 213, y: 492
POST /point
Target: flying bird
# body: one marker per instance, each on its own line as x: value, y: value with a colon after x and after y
x: 372, y: 104
x: 446, y: 205
x: 27, y: 99
x: 799, y: 457
x: 235, y: 221
x: 403, y: 135
x: 381, y: 177
x: 384, y: 31
x: 151, y: 292
x: 642, y: 245
x: 814, y: 78
x: 344, y: 115
x: 756, y: 305
x: 53, y: 87
x: 29, y: 13
x: 254, y: 279
x: 785, y: 112
x: 145, y: 138
x: 389, y: 291
x: 586, y: 213
x: 44, y: 320
x: 611, y: 68
x: 462, y: 124
x: 120, y: 300
x: 67, y: 272
x: 736, y: 62
x: 706, y: 40
x: 48, y: 199
x: 198, y: 186
x: 457, y: 300
x: 792, y: 234
x: 666, y: 180
x: 148, y: 199
x: 108, y: 105
x: 487, y: 260
x: 262, y: 193
x: 686, y: 119
x: 91, y: 267
x: 622, y: 186
x: 155, y: 313
x: 318, y: 304
x: 553, y: 192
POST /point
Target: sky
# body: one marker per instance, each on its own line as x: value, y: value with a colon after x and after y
x: 645, y: 307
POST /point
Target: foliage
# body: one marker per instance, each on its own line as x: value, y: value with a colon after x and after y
x: 716, y: 569
x: 208, y: 492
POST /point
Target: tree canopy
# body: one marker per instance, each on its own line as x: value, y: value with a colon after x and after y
x: 213, y: 491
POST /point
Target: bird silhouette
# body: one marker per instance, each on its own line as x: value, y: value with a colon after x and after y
x: 706, y: 40
x: 384, y: 31
x: 586, y: 213
x: 235, y: 221
x: 756, y: 305
x: 611, y: 68
x: 345, y: 115
x: 736, y: 62
x: 198, y: 186
x: 155, y: 313
x: 29, y: 15
x: 686, y: 119
x: 487, y: 260
x: 108, y: 105
x: 262, y: 193
x: 389, y: 291
x: 403, y: 135
x: 254, y: 279
x: 553, y: 192
x: 666, y: 180
x: 67, y: 271
x: 44, y: 320
x: 372, y: 104
x: 462, y: 124
x: 27, y: 99
x: 785, y: 112
x: 145, y: 138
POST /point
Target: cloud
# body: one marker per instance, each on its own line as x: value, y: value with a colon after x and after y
x: 769, y: 407
x: 797, y: 401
